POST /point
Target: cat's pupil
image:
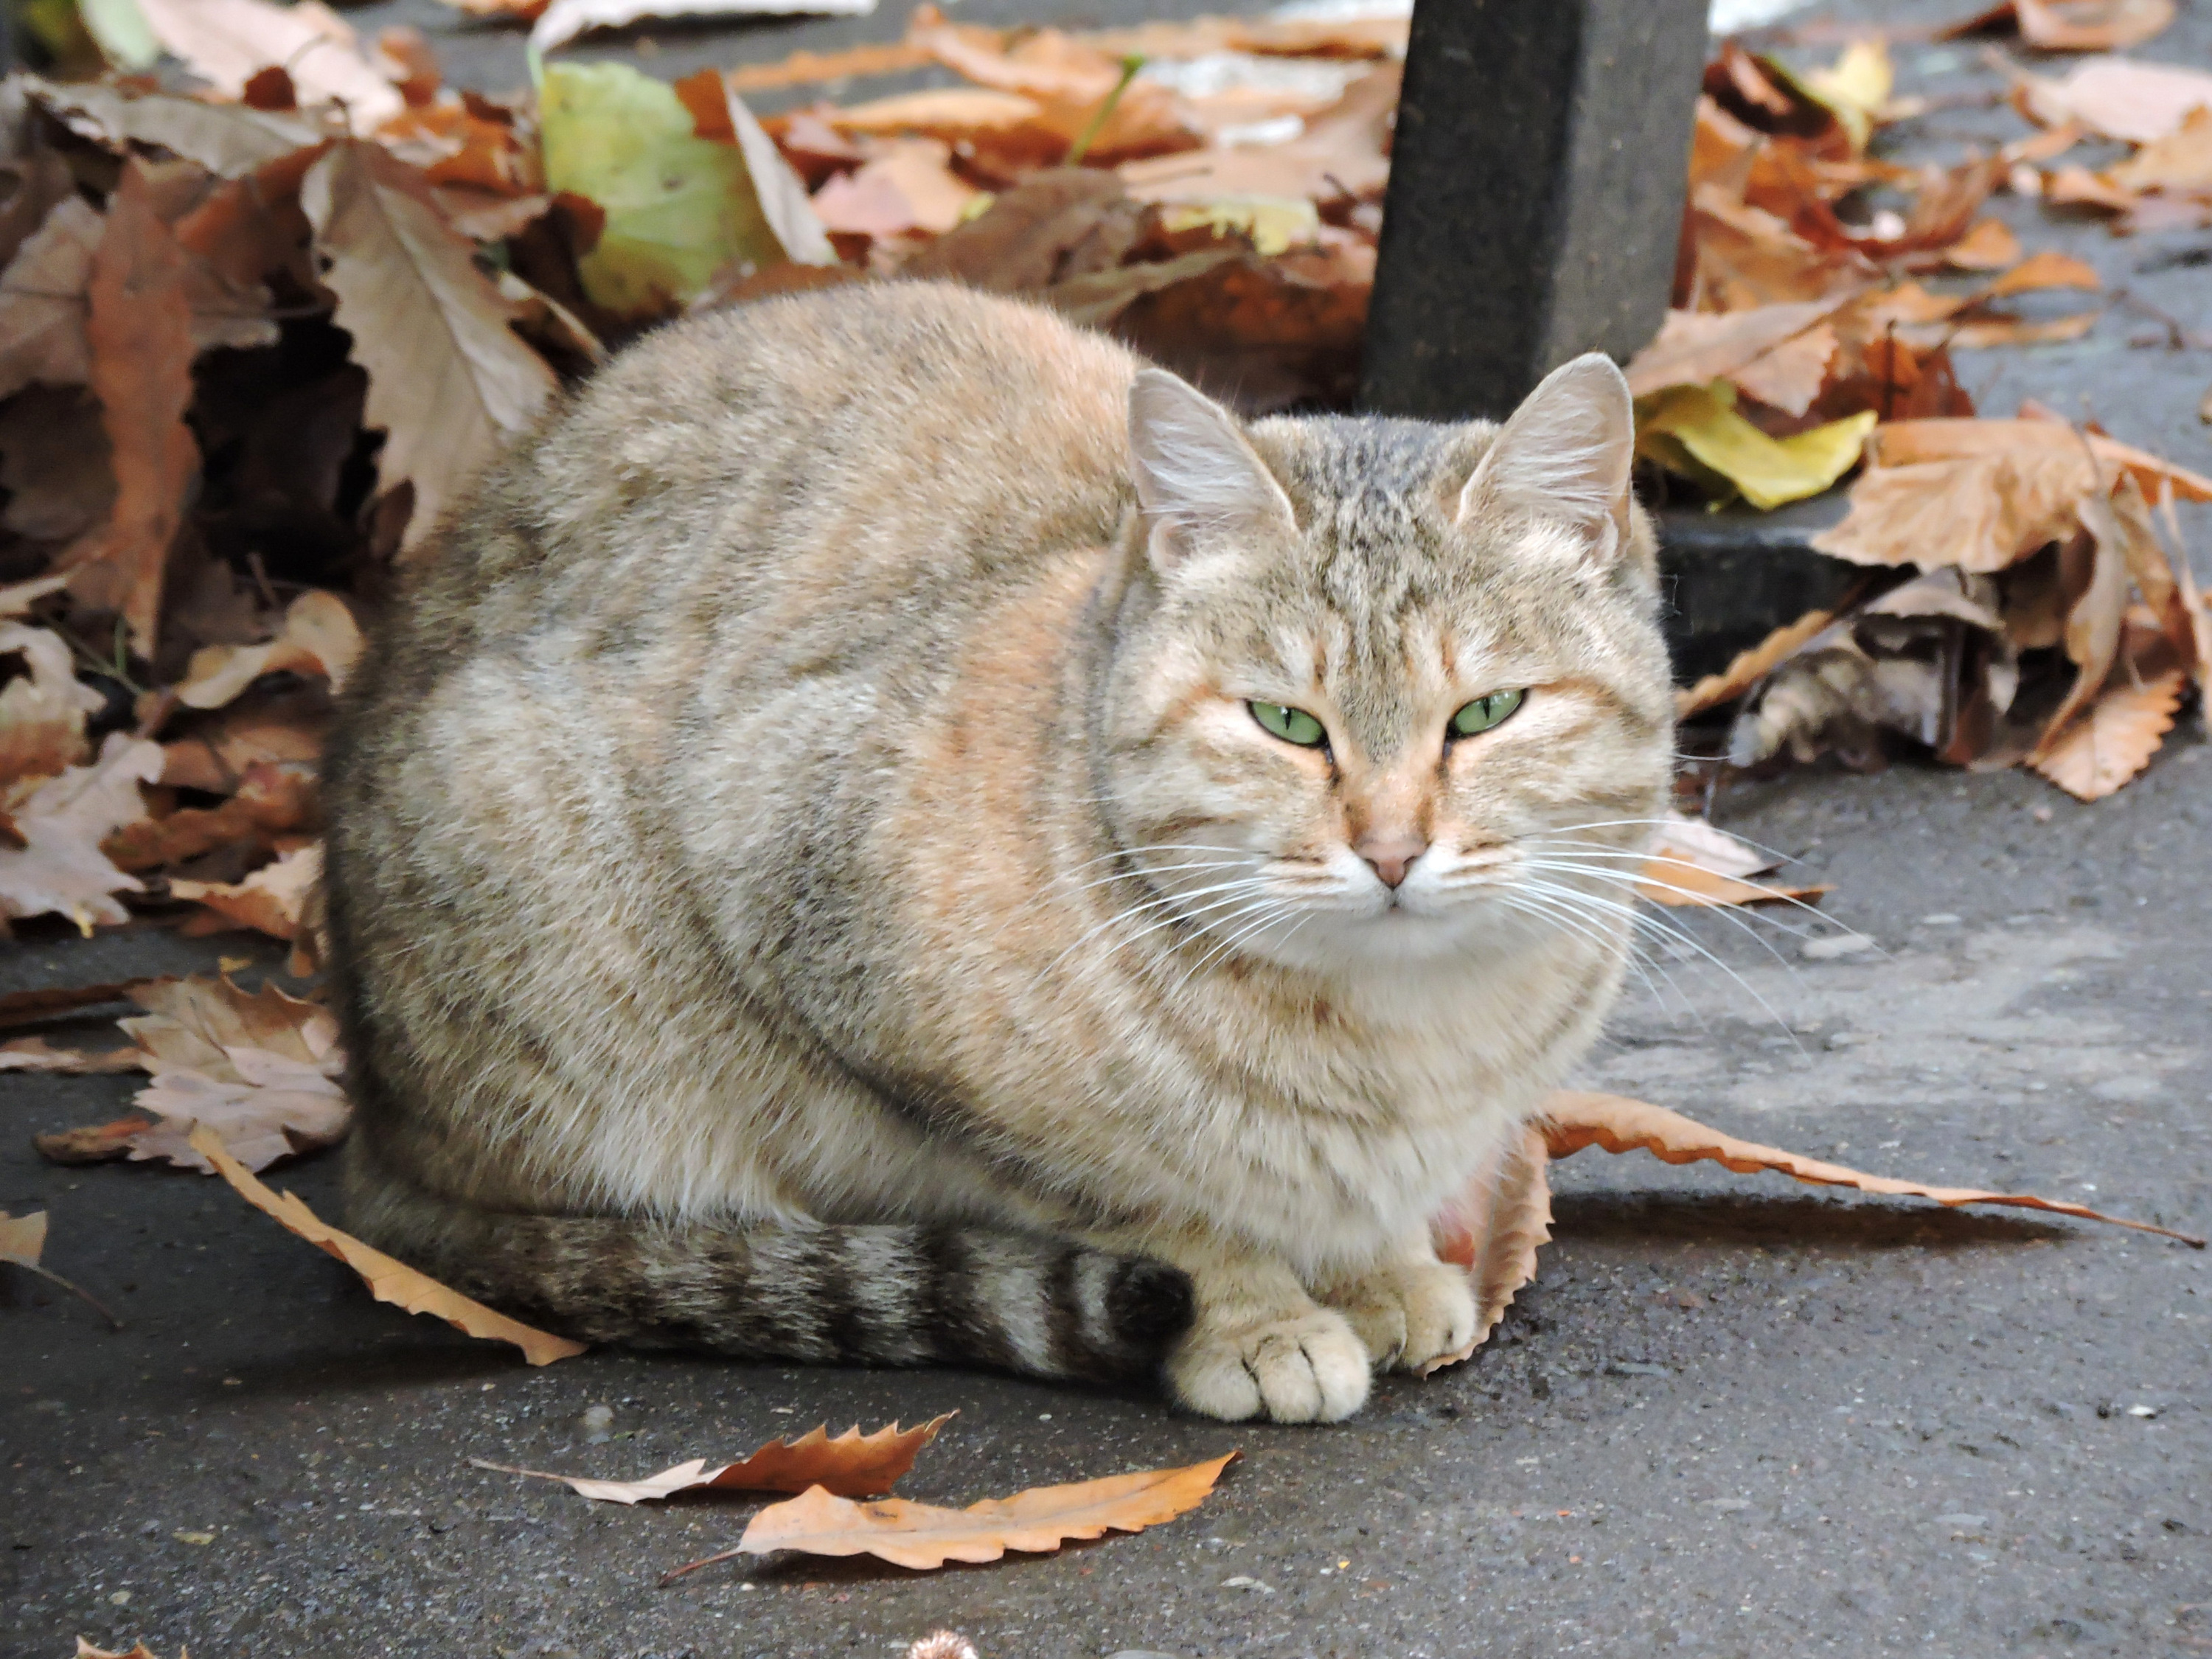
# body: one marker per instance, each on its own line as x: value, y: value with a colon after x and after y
x: 1485, y: 712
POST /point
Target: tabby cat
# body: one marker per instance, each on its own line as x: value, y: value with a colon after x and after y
x: 889, y: 831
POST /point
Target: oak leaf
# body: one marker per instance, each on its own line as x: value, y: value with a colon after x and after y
x: 279, y: 899
x: 448, y: 379
x: 1571, y: 1120
x: 911, y: 1534
x: 2114, y: 738
x: 59, y: 868
x: 852, y: 1465
x: 388, y: 1280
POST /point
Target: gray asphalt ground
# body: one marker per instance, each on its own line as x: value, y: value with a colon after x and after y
x: 1732, y: 1415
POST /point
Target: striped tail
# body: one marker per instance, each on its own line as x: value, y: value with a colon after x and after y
x: 829, y: 1295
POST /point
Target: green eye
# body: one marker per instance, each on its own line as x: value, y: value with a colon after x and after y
x: 1484, y: 712
x: 1290, y: 725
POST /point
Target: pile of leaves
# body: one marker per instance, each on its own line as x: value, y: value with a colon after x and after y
x: 2020, y: 603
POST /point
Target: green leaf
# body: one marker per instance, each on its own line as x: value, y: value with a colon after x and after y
x: 679, y: 207
x: 122, y: 33
x: 1695, y: 430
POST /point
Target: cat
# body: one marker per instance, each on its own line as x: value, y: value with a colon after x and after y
x: 888, y: 830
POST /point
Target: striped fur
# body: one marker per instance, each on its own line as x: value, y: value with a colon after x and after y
x: 779, y: 849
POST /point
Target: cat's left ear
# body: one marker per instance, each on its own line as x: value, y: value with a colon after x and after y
x: 1565, y: 456
x: 1198, y: 477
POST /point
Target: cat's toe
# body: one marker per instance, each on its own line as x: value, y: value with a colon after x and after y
x: 1306, y: 1368
x: 1410, y: 1314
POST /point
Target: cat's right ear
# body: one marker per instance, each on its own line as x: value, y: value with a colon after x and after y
x: 1198, y: 477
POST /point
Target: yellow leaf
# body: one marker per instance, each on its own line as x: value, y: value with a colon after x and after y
x: 1702, y: 423
x: 1856, y: 89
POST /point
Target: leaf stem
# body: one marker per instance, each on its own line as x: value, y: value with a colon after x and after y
x: 75, y: 1290
x: 1103, y: 114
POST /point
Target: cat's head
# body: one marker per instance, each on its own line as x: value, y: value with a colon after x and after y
x: 1376, y: 684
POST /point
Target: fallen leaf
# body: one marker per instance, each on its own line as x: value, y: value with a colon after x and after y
x: 908, y: 187
x: 1694, y: 348
x: 278, y: 899
x: 1494, y: 1228
x: 563, y: 20
x: 22, y: 1237
x: 96, y: 1143
x: 1901, y: 442
x: 1980, y: 513
x: 1983, y: 333
x: 388, y: 1280
x: 1055, y: 225
x: 319, y: 636
x: 679, y: 207
x: 2114, y: 738
x: 60, y: 869
x: 194, y: 1023
x: 42, y: 309
x: 42, y: 710
x: 2048, y: 269
x: 138, y: 1650
x: 922, y: 1535
x: 1691, y: 863
x: 55, y: 465
x: 277, y: 1109
x: 229, y: 140
x: 2178, y: 161
x: 1988, y: 245
x: 1698, y: 431
x: 228, y: 42
x: 140, y: 333
x: 779, y: 195
x: 805, y: 68
x: 271, y: 801
x: 36, y: 1054
x: 1747, y: 668
x: 29, y: 1007
x: 1572, y: 1120
x: 2120, y: 98
x: 2071, y: 25
x: 853, y: 1464
x: 448, y: 379
x: 1342, y: 155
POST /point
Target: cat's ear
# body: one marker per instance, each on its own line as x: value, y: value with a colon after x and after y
x: 1565, y: 456
x: 1196, y: 474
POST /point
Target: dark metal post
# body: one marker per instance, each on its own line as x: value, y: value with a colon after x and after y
x: 1536, y: 189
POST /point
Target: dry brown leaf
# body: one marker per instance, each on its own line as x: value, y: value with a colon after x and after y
x: 319, y: 636
x: 1069, y: 81
x: 922, y: 1535
x: 228, y: 42
x: 283, y: 729
x: 1691, y: 863
x: 54, y: 466
x: 29, y: 1007
x: 1572, y: 1120
x: 1988, y: 245
x: 1695, y: 347
x: 1901, y: 442
x: 227, y: 139
x: 95, y: 1143
x: 1983, y: 333
x: 2179, y: 161
x: 36, y: 1054
x: 908, y: 187
x: 1343, y: 154
x: 140, y: 332
x: 42, y: 710
x: 388, y: 1280
x: 2114, y: 739
x: 2070, y: 25
x: 1980, y: 513
x: 2119, y: 98
x: 193, y: 1022
x: 1747, y: 668
x: 805, y: 68
x: 59, y: 869
x: 448, y: 379
x: 271, y: 801
x: 1494, y: 1228
x: 2048, y: 269
x: 563, y: 20
x: 278, y: 899
x: 2094, y: 620
x: 138, y: 1650
x: 42, y: 329
x: 278, y: 1108
x: 853, y: 1464
x: 22, y: 1237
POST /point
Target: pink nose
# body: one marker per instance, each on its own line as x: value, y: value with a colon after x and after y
x: 1391, y: 855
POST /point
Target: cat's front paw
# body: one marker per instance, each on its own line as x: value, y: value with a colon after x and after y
x: 1310, y: 1367
x: 1408, y: 1313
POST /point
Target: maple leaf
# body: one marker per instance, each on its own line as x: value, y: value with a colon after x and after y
x: 276, y: 1108
x: 59, y: 868
x: 388, y: 1280
x: 911, y: 1534
x: 448, y: 379
x: 852, y: 1465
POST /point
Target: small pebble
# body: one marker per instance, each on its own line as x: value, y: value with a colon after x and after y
x: 1837, y: 945
x: 597, y: 1425
x: 1245, y: 1582
x: 1941, y: 919
x: 2142, y: 1411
